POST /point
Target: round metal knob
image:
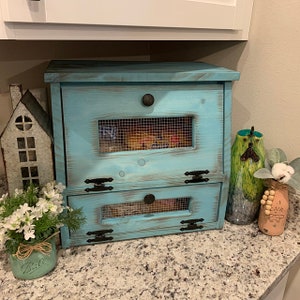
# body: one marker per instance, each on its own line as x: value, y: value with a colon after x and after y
x: 148, y: 99
x: 149, y: 199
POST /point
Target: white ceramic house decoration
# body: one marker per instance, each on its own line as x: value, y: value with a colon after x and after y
x: 26, y: 143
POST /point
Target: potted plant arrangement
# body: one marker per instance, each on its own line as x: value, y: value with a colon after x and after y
x: 278, y: 175
x: 29, y: 222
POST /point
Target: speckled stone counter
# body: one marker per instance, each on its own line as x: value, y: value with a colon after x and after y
x: 237, y: 262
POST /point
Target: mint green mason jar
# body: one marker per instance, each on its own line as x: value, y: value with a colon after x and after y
x: 36, y: 265
x: 245, y: 191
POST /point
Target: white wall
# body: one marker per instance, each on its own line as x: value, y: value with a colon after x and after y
x: 268, y: 93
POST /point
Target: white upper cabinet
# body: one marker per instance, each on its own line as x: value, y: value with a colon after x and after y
x: 125, y: 19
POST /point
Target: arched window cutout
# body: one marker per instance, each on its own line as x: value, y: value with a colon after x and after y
x: 23, y: 123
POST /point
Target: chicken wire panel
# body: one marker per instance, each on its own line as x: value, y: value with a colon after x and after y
x: 140, y: 207
x: 144, y: 133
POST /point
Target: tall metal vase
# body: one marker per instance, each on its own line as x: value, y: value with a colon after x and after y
x: 245, y: 191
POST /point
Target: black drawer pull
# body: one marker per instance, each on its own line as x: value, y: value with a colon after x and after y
x: 149, y: 199
x: 148, y: 99
x: 97, y: 188
x: 98, y: 180
x: 196, y: 173
x: 98, y: 184
x: 192, y: 224
x: 100, y: 236
x: 191, y: 221
x: 196, y: 180
x: 196, y: 176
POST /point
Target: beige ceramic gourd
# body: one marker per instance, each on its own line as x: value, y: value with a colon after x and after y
x: 278, y: 175
x: 274, y: 209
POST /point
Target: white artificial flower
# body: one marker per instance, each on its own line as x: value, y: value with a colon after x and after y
x: 37, y: 213
x: 18, y: 192
x: 28, y: 218
x: 52, y: 190
x: 13, y: 222
x: 29, y: 232
x: 60, y: 187
x: 3, y: 197
x: 43, y: 205
x: 24, y: 208
x: 52, y: 195
x: 52, y: 207
x: 59, y: 209
x: 282, y: 172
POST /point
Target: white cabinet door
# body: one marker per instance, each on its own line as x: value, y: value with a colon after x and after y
x: 195, y: 15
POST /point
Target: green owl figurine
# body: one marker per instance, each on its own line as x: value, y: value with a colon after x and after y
x: 245, y: 191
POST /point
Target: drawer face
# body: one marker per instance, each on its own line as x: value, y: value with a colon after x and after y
x: 109, y: 132
x: 134, y: 213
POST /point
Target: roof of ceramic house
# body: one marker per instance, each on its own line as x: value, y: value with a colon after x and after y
x: 36, y: 110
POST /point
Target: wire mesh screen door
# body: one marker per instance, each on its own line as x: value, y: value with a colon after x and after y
x: 141, y: 207
x: 144, y: 133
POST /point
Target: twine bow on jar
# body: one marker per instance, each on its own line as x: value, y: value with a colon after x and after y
x: 25, y: 250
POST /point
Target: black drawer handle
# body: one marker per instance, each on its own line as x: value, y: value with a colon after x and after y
x: 98, y: 180
x: 98, y: 188
x: 98, y: 184
x: 196, y: 176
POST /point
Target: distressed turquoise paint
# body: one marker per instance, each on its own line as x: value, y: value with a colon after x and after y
x: 84, y: 92
x: 204, y: 204
x: 85, y: 161
x: 95, y: 71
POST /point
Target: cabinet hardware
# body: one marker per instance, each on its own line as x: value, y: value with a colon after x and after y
x: 98, y: 184
x: 196, y: 173
x: 100, y: 236
x: 191, y: 224
x: 98, y: 180
x: 148, y: 99
x: 149, y: 199
x: 196, y: 176
x: 99, y: 188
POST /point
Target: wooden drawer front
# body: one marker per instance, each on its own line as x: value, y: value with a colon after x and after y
x: 125, y: 215
x: 85, y: 105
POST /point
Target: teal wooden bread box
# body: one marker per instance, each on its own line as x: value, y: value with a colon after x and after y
x: 142, y: 147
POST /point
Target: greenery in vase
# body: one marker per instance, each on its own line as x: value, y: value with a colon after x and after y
x: 31, y: 216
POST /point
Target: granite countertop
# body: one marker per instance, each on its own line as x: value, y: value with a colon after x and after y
x: 237, y: 262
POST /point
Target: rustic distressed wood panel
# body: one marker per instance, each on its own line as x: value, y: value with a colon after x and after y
x: 84, y: 105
